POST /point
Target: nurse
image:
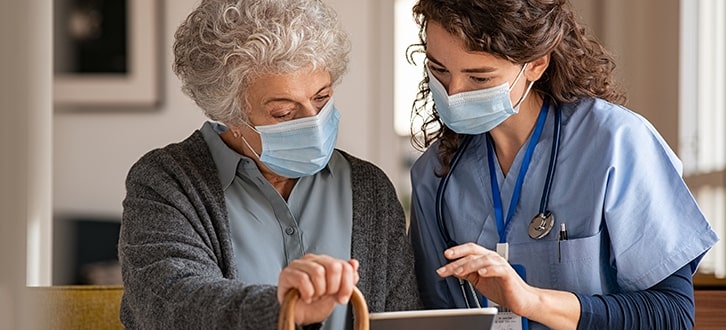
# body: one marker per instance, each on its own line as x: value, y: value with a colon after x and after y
x: 538, y: 190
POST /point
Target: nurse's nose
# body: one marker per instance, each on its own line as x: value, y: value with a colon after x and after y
x: 456, y: 86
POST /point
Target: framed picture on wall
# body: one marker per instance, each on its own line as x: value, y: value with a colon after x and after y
x: 105, y: 53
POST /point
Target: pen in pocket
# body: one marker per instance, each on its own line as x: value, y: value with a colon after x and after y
x: 563, y: 237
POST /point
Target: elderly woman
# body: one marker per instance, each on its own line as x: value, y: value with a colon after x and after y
x: 216, y: 228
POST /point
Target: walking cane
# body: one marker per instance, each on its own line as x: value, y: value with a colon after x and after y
x: 286, y: 321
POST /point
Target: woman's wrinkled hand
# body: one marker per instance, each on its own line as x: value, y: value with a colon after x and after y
x: 322, y: 281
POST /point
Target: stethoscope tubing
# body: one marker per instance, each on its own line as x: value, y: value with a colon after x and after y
x: 442, y: 186
x: 544, y: 200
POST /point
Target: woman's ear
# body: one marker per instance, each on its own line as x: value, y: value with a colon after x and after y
x: 536, y: 68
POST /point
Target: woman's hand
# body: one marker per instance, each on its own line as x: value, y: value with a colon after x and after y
x: 322, y: 281
x: 491, y: 275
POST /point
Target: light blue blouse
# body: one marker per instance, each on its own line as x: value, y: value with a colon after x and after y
x: 269, y: 232
x: 630, y: 218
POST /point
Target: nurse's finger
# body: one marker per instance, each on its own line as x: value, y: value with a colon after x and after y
x: 463, y: 266
x: 464, y: 250
x: 484, y: 266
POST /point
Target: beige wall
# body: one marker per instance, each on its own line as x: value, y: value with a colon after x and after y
x: 643, y: 35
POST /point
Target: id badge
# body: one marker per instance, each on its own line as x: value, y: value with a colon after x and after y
x: 506, y: 319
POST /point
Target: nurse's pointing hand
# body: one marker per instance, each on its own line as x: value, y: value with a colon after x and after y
x: 491, y: 275
x: 470, y: 257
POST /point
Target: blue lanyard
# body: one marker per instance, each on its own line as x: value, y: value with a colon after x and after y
x: 496, y: 195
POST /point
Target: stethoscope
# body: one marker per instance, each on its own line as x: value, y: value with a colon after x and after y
x: 541, y: 224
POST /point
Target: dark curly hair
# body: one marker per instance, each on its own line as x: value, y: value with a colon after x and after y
x: 519, y: 31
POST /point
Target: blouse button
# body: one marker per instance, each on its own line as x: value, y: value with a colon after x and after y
x: 289, y: 230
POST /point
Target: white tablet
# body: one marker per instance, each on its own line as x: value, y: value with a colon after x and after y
x: 435, y: 319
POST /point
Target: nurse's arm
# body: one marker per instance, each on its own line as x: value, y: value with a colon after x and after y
x: 555, y: 309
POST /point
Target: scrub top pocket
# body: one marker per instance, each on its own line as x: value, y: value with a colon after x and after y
x: 574, y: 265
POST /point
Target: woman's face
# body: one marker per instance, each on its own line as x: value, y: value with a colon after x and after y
x: 461, y: 70
x: 274, y: 98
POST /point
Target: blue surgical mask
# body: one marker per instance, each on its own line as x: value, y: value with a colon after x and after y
x: 299, y: 147
x: 478, y: 111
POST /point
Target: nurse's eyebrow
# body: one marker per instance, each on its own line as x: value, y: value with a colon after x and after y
x: 484, y: 69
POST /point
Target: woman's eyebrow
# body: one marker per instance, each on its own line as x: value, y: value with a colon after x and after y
x: 323, y: 88
x: 287, y: 99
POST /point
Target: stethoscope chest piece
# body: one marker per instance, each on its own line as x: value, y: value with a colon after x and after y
x: 541, y: 225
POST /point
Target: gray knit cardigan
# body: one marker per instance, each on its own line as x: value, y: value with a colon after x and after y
x: 176, y: 254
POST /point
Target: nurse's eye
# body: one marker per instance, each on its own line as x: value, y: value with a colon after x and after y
x: 437, y: 70
x: 480, y: 80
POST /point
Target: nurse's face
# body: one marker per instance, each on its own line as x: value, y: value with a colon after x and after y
x: 462, y: 70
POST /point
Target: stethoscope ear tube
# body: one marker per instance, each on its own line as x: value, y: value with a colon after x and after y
x: 466, y: 139
x: 542, y: 223
x: 553, y: 163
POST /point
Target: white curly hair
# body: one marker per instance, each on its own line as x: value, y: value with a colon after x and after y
x: 224, y: 44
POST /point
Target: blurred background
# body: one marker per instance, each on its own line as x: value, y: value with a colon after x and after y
x: 87, y: 89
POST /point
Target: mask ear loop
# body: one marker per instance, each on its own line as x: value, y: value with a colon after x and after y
x: 526, y: 92
x: 521, y: 99
x: 250, y: 147
x: 237, y: 135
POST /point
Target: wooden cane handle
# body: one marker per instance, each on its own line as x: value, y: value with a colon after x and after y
x: 286, y: 320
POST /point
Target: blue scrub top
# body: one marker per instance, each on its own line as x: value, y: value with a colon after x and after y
x: 631, y: 220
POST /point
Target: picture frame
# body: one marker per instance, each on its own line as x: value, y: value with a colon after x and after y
x: 138, y: 85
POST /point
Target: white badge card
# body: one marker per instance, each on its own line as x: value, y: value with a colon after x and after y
x: 505, y: 318
x: 503, y: 250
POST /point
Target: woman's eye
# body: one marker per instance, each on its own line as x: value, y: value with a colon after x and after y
x: 322, y: 98
x: 282, y: 115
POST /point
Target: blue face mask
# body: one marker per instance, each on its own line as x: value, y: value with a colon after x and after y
x: 478, y: 111
x: 299, y: 147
